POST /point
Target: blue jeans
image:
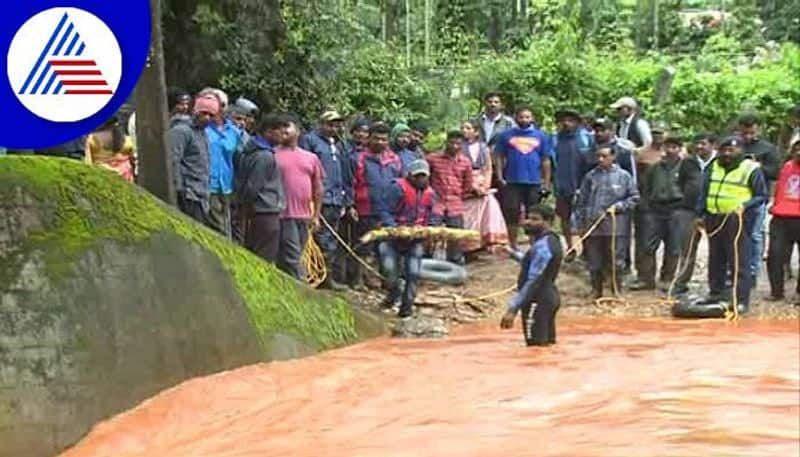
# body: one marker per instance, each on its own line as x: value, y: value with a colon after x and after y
x: 325, y: 238
x: 757, y: 235
x: 454, y: 252
x: 390, y: 253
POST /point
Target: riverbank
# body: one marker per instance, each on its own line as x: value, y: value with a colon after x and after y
x: 485, y: 296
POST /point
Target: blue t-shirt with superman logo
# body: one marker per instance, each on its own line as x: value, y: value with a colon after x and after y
x: 523, y: 150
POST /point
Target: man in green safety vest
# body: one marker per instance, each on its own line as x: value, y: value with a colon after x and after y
x: 733, y: 190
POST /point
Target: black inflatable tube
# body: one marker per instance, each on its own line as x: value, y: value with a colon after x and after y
x: 699, y: 310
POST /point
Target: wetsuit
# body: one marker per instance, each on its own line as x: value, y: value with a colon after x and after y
x: 537, y: 295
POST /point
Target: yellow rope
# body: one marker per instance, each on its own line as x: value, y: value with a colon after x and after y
x: 314, y: 262
x: 588, y: 233
x: 350, y: 250
x: 733, y: 313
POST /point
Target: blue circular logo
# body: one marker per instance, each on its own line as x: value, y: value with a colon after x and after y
x: 69, y: 67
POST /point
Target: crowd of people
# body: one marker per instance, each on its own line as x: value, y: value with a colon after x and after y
x: 622, y: 188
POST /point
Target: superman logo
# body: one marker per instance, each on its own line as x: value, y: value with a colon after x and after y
x: 524, y: 144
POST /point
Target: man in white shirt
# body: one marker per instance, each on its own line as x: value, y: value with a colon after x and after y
x: 631, y: 126
x: 492, y: 120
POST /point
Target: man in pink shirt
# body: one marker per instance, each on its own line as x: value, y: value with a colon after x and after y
x: 302, y: 184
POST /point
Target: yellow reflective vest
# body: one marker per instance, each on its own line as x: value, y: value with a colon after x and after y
x: 729, y: 190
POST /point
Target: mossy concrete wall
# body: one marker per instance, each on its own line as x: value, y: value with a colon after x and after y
x: 108, y: 296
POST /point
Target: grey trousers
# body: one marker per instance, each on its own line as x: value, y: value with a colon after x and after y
x: 219, y: 214
x: 294, y: 236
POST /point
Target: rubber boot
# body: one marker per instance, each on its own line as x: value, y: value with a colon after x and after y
x: 357, y: 280
x: 668, y: 269
x: 330, y: 283
x: 597, y: 285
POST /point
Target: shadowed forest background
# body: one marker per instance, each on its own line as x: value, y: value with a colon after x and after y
x: 433, y: 59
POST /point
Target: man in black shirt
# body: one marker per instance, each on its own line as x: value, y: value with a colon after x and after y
x: 766, y: 154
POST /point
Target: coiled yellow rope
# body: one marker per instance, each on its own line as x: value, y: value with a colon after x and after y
x: 314, y: 262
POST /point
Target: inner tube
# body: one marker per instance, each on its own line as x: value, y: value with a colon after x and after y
x: 443, y: 272
x: 699, y: 308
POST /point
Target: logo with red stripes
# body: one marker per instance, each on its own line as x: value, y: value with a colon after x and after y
x: 64, y: 64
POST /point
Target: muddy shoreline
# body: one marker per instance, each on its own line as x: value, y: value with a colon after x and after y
x: 490, y: 274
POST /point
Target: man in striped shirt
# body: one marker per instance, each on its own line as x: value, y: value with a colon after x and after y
x: 451, y: 178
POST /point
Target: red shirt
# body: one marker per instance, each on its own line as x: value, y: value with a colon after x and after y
x: 787, y: 191
x: 451, y: 178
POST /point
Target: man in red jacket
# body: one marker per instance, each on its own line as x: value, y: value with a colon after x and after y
x: 410, y: 202
x: 784, y: 230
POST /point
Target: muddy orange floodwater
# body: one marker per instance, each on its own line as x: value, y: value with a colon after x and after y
x: 610, y: 388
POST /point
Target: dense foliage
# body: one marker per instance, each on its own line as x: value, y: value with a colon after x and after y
x: 433, y: 59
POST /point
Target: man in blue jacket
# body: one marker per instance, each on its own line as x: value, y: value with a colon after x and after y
x: 573, y: 154
x: 325, y: 141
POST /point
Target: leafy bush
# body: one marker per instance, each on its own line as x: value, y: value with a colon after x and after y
x: 706, y: 93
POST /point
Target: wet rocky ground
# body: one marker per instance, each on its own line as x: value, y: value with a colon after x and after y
x: 492, y: 275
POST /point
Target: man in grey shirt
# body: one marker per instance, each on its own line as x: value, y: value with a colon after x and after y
x: 187, y: 144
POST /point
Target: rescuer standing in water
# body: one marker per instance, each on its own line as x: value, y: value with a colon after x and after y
x: 537, y: 295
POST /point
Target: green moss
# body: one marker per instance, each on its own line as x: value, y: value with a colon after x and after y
x: 83, y: 205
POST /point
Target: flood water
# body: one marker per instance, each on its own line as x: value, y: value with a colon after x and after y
x: 610, y: 388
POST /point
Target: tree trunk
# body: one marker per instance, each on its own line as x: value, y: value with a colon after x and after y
x: 408, y: 32
x: 427, y: 31
x: 155, y: 171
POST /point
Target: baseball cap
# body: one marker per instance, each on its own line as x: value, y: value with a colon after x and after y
x: 604, y: 123
x: 659, y: 127
x: 730, y: 141
x: 419, y: 167
x: 568, y: 112
x: 330, y: 116
x: 625, y: 102
x: 246, y: 106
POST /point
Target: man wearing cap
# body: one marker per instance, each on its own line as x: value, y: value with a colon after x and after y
x: 766, y: 154
x: 672, y: 187
x: 243, y: 114
x: 401, y: 144
x: 733, y: 185
x: 523, y: 155
x: 224, y: 140
x: 631, y: 126
x: 572, y: 151
x: 187, y: 144
x: 784, y: 228
x: 451, y: 179
x: 325, y: 142
x: 408, y: 201
x: 348, y: 225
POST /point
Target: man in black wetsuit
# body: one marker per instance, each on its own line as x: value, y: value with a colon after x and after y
x: 537, y: 296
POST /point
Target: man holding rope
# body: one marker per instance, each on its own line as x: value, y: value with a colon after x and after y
x: 734, y: 189
x: 607, y: 196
